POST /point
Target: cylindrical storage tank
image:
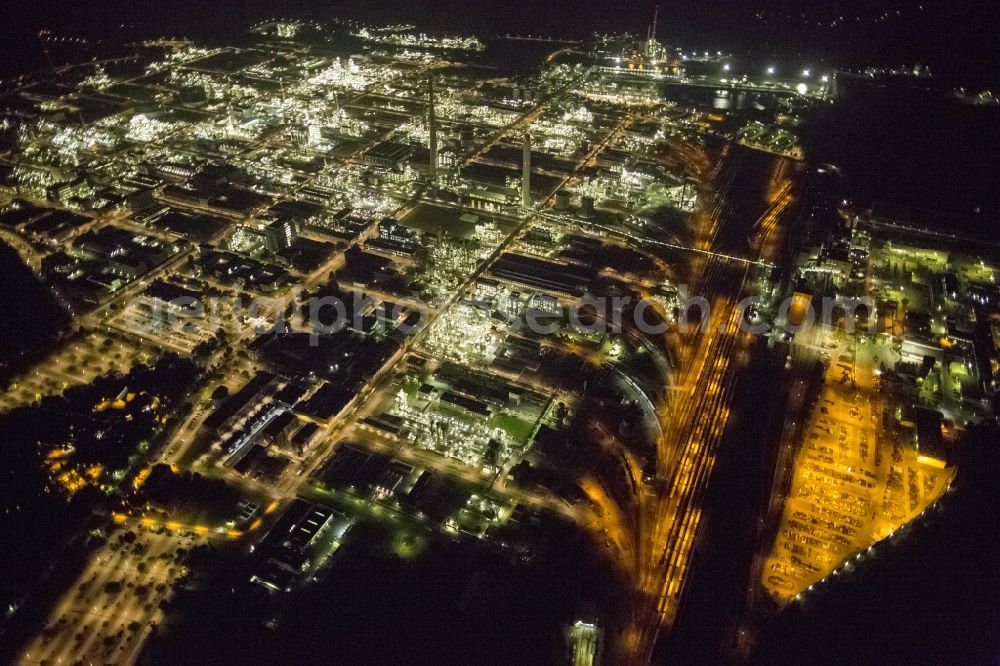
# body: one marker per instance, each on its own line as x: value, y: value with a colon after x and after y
x: 468, y: 138
x: 562, y: 200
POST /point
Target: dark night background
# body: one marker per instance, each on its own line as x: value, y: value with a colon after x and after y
x: 956, y: 38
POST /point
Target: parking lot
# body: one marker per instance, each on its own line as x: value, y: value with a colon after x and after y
x: 853, y: 484
x: 107, y: 614
x: 88, y: 355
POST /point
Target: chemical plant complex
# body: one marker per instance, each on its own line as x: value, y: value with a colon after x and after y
x: 348, y: 296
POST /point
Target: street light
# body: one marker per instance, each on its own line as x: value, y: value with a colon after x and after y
x: 770, y: 71
x: 806, y: 72
x: 726, y: 67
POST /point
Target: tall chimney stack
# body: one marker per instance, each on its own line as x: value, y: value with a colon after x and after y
x: 432, y: 127
x: 526, y: 173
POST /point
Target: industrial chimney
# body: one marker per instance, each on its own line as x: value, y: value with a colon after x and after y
x: 526, y: 173
x: 432, y: 128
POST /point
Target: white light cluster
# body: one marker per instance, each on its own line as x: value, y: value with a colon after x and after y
x: 454, y: 109
x: 421, y: 40
x: 346, y: 74
x: 186, y: 53
x: 463, y: 439
x: 560, y: 138
x: 144, y: 129
x: 415, y: 131
x: 448, y: 264
x: 464, y: 334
